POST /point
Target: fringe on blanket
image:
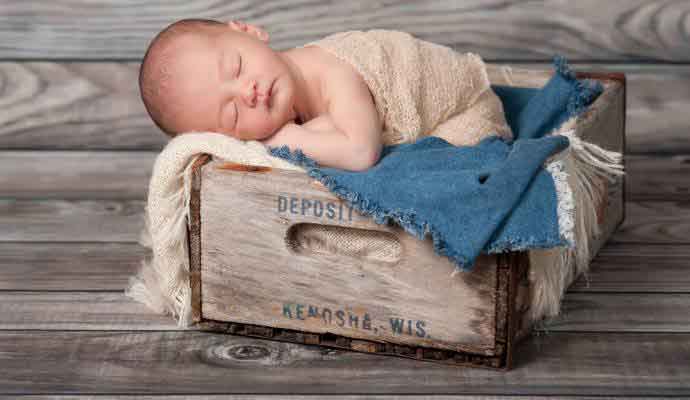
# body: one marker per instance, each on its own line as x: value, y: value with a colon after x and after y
x: 579, y: 172
x: 146, y: 287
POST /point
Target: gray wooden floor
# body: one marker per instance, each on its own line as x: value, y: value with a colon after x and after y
x: 76, y: 151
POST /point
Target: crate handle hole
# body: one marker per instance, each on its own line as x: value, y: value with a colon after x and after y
x: 365, y: 244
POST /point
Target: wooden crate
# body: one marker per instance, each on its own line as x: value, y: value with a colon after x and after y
x: 250, y: 275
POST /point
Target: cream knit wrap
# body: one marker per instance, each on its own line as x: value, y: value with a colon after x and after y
x: 450, y: 96
x: 422, y: 88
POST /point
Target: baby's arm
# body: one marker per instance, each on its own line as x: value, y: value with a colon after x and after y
x: 328, y: 147
x: 348, y: 136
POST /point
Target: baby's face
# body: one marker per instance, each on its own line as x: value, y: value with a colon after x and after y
x: 231, y: 83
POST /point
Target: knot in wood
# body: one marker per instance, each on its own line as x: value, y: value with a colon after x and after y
x: 248, y: 352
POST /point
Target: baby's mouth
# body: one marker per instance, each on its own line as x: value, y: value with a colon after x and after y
x: 269, y: 93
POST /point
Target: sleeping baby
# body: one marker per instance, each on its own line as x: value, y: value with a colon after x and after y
x: 338, y: 99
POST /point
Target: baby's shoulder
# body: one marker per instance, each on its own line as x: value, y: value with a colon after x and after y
x: 340, y: 79
x: 346, y: 87
x: 347, y: 100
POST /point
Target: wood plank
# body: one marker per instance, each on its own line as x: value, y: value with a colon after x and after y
x: 310, y: 397
x: 580, y: 312
x: 101, y: 267
x: 81, y: 175
x: 49, y: 220
x: 96, y: 106
x: 79, y: 311
x: 192, y: 362
x: 663, y: 222
x: 65, y: 266
x: 76, y: 106
x: 71, y: 220
x: 634, y: 267
x: 651, y: 177
x: 76, y: 174
x: 587, y: 30
x: 622, y: 312
x: 68, y: 266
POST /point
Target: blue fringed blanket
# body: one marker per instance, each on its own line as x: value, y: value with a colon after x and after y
x: 492, y: 197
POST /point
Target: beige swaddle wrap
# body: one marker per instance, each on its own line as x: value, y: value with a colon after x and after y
x: 422, y: 88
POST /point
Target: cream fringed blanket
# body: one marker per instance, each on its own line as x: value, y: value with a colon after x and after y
x: 163, y: 280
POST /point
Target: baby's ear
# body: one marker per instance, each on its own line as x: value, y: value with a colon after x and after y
x: 250, y: 29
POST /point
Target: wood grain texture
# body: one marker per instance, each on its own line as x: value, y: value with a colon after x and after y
x: 407, y: 283
x: 74, y: 106
x: 637, y: 267
x: 309, y: 397
x: 66, y: 266
x: 60, y: 266
x: 125, y: 175
x: 193, y: 362
x: 663, y: 222
x: 580, y: 312
x: 628, y: 312
x: 71, y: 220
x: 658, y: 177
x: 76, y: 175
x: 589, y: 29
x: 79, y: 310
x: 96, y: 106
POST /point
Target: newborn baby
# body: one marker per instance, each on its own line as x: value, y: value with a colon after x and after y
x: 338, y: 99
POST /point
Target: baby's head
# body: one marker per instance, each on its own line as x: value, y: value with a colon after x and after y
x: 204, y: 75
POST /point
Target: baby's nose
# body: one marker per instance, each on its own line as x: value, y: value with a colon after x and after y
x: 250, y: 93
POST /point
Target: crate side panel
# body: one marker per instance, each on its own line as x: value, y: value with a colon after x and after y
x: 251, y: 274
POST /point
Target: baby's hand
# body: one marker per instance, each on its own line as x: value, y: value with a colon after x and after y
x: 279, y: 137
x: 319, y: 124
x: 327, y: 148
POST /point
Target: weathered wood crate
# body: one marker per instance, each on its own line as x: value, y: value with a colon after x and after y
x: 252, y: 273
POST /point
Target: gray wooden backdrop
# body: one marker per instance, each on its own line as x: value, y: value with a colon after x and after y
x: 77, y: 148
